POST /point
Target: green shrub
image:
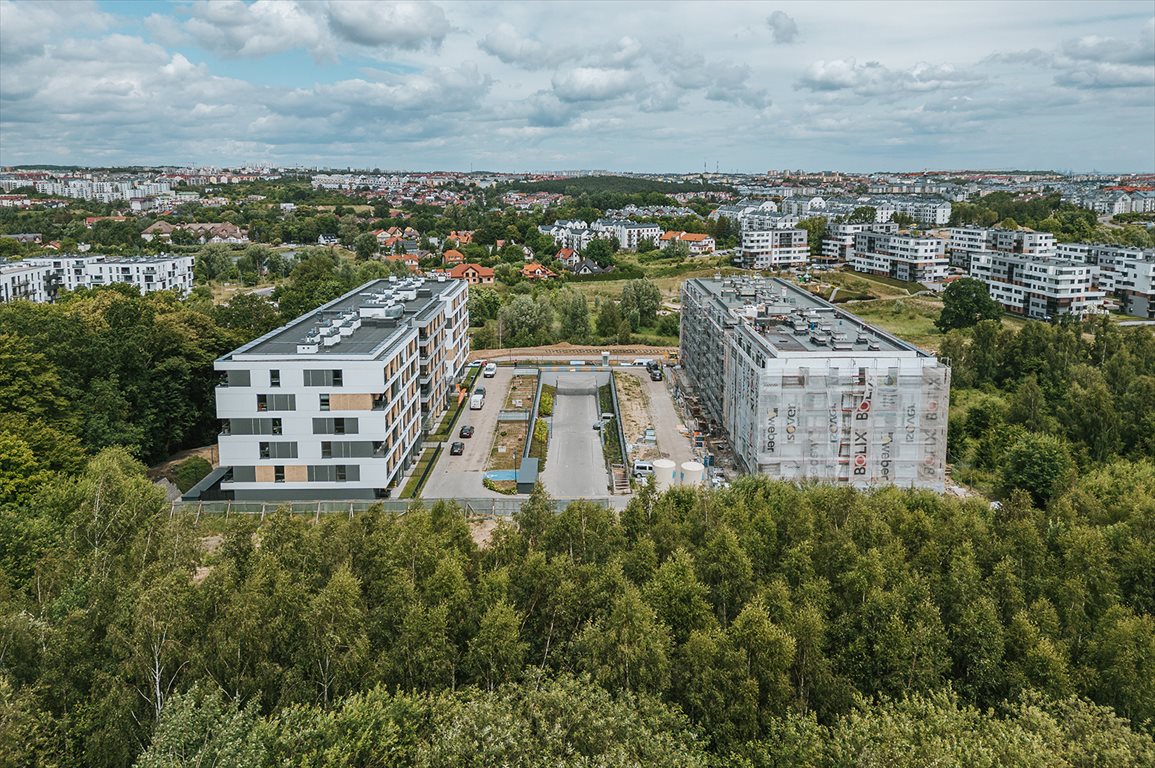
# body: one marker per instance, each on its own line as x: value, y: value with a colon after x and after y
x: 190, y: 472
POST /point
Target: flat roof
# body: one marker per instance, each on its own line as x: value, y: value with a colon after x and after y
x: 789, y: 319
x: 407, y: 300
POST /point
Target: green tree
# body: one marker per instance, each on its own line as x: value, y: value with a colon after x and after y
x: 641, y: 296
x: 1041, y: 465
x: 629, y: 649
x: 337, y: 643
x: 496, y: 653
x: 200, y: 728
x: 365, y: 246
x: 575, y: 317
x: 600, y: 251
x: 966, y: 302
x: 609, y: 319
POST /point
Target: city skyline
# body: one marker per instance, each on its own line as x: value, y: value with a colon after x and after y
x: 740, y: 87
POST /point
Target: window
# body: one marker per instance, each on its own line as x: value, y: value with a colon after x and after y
x: 226, y: 427
x: 326, y: 449
x: 322, y: 426
x: 340, y: 473
x: 276, y: 403
x: 238, y: 378
x: 324, y: 402
x: 276, y: 426
x: 286, y: 450
x: 338, y: 426
x: 279, y: 473
x: 323, y: 378
x: 274, y: 378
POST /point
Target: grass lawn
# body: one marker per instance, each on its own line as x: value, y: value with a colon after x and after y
x: 509, y: 435
x: 521, y: 392
x: 417, y: 479
x: 911, y: 319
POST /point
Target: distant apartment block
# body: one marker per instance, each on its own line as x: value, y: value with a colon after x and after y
x: 1126, y: 273
x: 628, y: 233
x: 159, y: 273
x: 806, y: 391
x: 334, y: 404
x: 839, y: 241
x: 966, y: 241
x: 1039, y: 287
x: 23, y: 281
x: 772, y: 248
x: 901, y: 256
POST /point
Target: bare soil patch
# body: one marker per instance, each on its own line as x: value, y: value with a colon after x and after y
x: 634, y: 404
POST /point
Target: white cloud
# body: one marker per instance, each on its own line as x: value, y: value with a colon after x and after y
x: 511, y: 47
x: 874, y: 79
x: 594, y: 84
x: 404, y: 25
x: 783, y: 29
x: 25, y: 27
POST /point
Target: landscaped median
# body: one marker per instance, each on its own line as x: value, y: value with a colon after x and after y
x: 421, y: 472
x: 513, y: 424
x: 445, y: 428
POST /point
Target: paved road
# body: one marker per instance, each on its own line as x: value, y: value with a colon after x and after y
x: 461, y: 476
x: 574, y: 467
x: 672, y: 443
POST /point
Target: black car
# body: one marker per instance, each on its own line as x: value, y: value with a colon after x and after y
x: 466, y: 431
x: 457, y: 449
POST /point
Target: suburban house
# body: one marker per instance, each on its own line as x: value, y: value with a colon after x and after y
x: 698, y: 243
x: 461, y: 237
x: 474, y: 274
x: 204, y: 233
x: 408, y: 259
x: 568, y: 256
x: 535, y: 271
x: 588, y: 267
x: 453, y: 256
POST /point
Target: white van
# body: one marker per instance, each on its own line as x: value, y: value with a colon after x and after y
x: 643, y: 468
x: 476, y: 401
x: 489, y: 371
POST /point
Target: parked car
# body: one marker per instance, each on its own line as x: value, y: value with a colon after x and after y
x: 476, y: 364
x: 597, y: 426
x: 490, y: 370
x: 457, y: 449
x: 466, y: 431
x: 479, y: 391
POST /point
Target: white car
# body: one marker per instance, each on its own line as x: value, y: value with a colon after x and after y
x: 490, y: 370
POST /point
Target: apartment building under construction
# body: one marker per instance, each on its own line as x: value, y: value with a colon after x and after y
x: 806, y: 391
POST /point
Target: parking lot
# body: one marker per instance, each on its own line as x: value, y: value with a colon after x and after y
x: 461, y: 476
x: 574, y: 465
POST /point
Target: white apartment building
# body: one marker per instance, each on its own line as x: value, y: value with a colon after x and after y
x: 628, y: 233
x: 839, y: 241
x: 805, y: 391
x: 334, y: 404
x: 1123, y: 272
x: 1039, y: 287
x: 935, y: 212
x: 23, y: 281
x: 901, y: 256
x: 965, y: 242
x: 772, y: 248
x: 159, y: 273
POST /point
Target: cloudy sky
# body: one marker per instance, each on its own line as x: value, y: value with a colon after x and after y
x: 638, y: 86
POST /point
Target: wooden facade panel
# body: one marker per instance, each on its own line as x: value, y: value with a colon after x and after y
x: 265, y: 475
x: 351, y: 402
x: 296, y: 473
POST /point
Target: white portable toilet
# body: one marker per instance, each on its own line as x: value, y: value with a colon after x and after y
x: 692, y: 472
x: 664, y: 474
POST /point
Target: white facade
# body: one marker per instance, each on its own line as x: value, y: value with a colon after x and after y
x: 773, y: 248
x: 1039, y: 287
x: 1126, y: 273
x: 628, y: 233
x: 838, y: 244
x: 332, y: 405
x: 805, y: 391
x: 903, y: 257
x: 24, y: 281
x: 160, y: 273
